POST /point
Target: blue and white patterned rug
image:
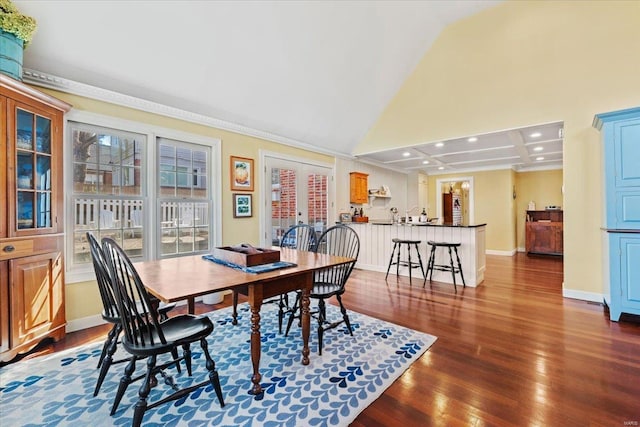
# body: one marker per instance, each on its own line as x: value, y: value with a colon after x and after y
x: 57, y: 390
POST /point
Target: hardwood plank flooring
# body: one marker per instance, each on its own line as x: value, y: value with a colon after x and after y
x: 511, y: 352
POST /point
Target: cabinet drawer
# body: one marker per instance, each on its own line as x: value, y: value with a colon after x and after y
x: 26, y: 246
x: 15, y: 248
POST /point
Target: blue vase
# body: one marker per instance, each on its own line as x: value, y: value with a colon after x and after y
x: 11, y: 51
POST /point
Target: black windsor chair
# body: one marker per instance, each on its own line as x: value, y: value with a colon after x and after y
x: 110, y: 312
x: 146, y: 337
x: 339, y: 240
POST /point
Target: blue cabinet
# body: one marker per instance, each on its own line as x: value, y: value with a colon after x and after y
x: 620, y: 132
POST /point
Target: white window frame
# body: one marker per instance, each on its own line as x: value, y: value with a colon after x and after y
x: 84, y: 272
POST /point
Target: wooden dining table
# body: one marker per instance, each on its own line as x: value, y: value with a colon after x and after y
x: 185, y: 278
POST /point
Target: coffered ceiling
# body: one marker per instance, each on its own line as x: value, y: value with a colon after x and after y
x: 528, y: 148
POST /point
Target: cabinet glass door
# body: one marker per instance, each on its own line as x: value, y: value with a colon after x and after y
x: 33, y: 171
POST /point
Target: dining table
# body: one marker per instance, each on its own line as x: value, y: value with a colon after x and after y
x: 188, y: 277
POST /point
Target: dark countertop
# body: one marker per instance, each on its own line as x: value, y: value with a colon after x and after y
x: 420, y: 224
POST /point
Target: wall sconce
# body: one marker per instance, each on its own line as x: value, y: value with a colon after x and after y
x: 465, y: 185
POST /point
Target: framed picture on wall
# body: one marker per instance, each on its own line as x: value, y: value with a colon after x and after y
x: 242, y: 206
x: 241, y: 170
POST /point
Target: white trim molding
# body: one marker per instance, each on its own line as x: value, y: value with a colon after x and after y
x: 582, y: 295
x: 39, y: 78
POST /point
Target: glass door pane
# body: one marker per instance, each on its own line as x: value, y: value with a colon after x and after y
x: 317, y: 200
x: 284, y: 206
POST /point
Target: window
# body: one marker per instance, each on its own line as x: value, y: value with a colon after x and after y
x: 108, y: 188
x: 152, y: 194
x: 182, y: 197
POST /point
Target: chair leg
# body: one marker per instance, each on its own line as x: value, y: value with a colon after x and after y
x: 110, y: 336
x: 284, y: 302
x: 390, y: 261
x: 464, y: 285
x: 453, y: 270
x: 174, y: 354
x: 235, y: 308
x: 292, y: 315
x: 143, y: 393
x: 398, y: 260
x: 420, y: 260
x: 108, y: 360
x: 213, y: 374
x: 124, y: 383
x: 322, y: 316
x: 409, y: 261
x: 186, y: 351
x: 345, y: 316
x: 430, y: 265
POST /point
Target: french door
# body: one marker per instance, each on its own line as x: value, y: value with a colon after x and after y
x: 296, y: 193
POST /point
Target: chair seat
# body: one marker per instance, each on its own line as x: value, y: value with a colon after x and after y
x: 163, y: 309
x: 177, y: 330
x: 326, y: 290
x: 413, y: 242
x: 444, y: 244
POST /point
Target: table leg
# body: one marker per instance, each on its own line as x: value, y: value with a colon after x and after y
x: 191, y: 305
x: 255, y: 301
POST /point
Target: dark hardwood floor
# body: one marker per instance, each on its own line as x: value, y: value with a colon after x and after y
x: 511, y: 352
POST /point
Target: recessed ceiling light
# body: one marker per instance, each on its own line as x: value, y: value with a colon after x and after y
x: 406, y: 154
x: 441, y: 168
x: 472, y: 139
x: 440, y: 144
x: 538, y: 149
x: 539, y: 158
x: 535, y: 135
x: 425, y: 162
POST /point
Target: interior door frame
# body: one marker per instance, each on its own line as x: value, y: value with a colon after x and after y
x: 264, y: 196
x: 442, y: 181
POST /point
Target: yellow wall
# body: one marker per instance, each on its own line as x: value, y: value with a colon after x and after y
x: 544, y: 188
x: 82, y: 299
x: 522, y: 63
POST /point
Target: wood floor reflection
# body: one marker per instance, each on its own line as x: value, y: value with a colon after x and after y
x: 511, y: 352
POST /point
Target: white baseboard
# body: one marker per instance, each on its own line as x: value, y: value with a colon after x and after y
x: 582, y: 295
x: 84, y: 323
x: 501, y: 253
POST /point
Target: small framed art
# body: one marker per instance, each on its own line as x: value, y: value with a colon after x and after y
x: 242, y: 206
x: 241, y: 170
x: 345, y: 217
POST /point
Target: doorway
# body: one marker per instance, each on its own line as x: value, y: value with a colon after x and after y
x: 463, y: 186
x: 296, y: 191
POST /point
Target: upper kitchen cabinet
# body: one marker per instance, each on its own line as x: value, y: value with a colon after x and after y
x: 358, y: 187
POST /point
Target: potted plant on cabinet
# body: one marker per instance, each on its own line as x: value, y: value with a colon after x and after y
x: 16, y: 32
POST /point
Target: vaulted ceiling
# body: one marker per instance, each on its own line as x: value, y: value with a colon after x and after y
x: 315, y: 74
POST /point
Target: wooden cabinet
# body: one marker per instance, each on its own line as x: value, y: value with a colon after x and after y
x: 358, y: 187
x: 31, y: 224
x: 620, y: 132
x: 544, y: 232
x: 451, y: 209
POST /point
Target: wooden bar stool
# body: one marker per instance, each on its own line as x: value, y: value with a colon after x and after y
x: 431, y: 265
x: 397, y: 246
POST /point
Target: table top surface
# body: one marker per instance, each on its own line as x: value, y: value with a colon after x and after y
x: 174, y: 279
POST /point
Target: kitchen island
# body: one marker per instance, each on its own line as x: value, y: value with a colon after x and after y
x: 376, y: 246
